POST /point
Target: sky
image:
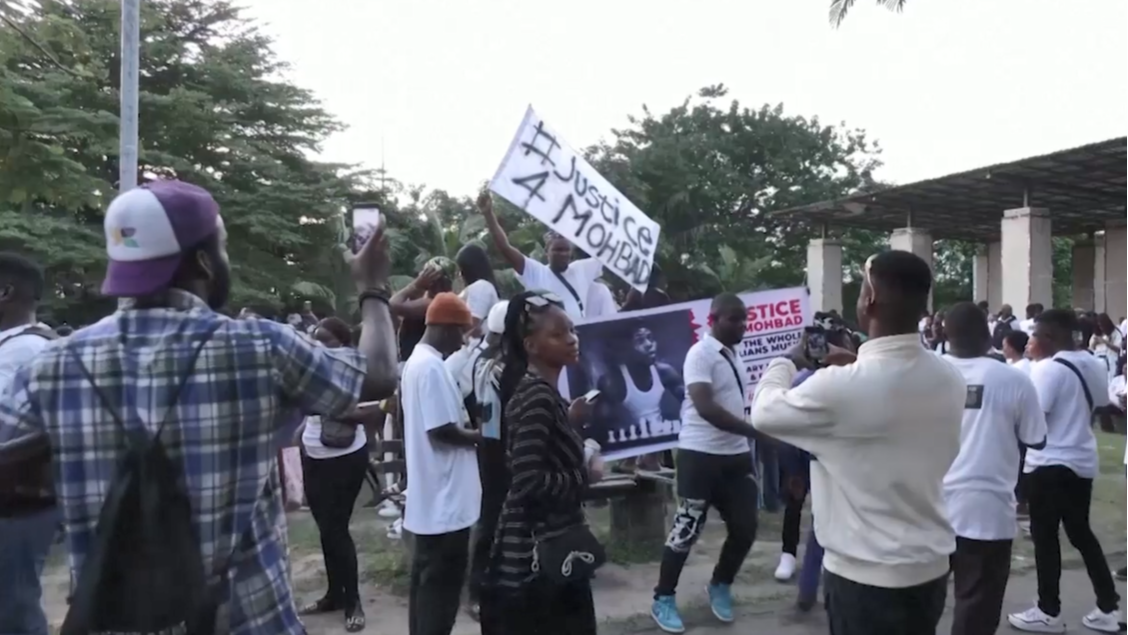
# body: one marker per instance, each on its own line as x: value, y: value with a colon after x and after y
x: 436, y: 89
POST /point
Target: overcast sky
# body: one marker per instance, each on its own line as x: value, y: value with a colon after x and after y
x: 946, y: 86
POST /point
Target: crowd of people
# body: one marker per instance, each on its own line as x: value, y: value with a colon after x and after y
x: 152, y: 437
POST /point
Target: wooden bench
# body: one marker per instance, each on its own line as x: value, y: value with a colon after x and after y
x: 639, y: 506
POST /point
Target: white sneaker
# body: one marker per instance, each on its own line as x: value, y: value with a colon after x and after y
x: 1103, y: 622
x: 786, y: 567
x: 395, y: 532
x: 1033, y: 620
x: 388, y: 510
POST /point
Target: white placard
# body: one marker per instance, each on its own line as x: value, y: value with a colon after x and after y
x: 552, y: 183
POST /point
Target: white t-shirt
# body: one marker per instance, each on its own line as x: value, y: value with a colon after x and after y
x: 17, y: 350
x: 1116, y: 388
x: 580, y: 274
x: 600, y: 301
x: 1022, y: 364
x: 446, y: 491
x: 1070, y: 441
x: 460, y: 365
x: 311, y: 440
x: 705, y: 364
x: 480, y: 297
x: 1001, y: 411
x: 1027, y: 326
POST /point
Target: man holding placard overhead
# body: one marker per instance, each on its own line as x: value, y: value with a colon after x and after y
x: 569, y: 279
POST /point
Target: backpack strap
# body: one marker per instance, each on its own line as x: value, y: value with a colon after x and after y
x: 569, y: 287
x: 137, y: 437
x: 1080, y: 378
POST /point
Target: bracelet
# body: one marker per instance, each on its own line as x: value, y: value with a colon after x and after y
x: 378, y: 294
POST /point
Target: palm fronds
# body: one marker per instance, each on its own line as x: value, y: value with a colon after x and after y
x: 839, y: 9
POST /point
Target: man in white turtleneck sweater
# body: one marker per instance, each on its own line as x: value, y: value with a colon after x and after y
x: 884, y: 427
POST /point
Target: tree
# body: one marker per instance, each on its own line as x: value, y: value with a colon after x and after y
x: 710, y: 173
x: 839, y: 9
x: 214, y: 110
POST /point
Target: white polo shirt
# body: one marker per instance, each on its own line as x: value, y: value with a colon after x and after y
x: 1001, y: 411
x: 1069, y: 439
x: 705, y: 364
x: 580, y: 274
x: 446, y: 492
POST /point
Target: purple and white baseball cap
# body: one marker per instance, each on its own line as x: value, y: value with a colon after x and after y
x: 148, y: 228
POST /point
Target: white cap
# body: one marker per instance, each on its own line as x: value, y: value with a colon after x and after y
x: 495, y: 321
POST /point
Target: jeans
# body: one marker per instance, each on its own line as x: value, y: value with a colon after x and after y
x: 980, y: 569
x: 709, y: 480
x: 811, y: 572
x: 1059, y: 497
x: 24, y: 544
x: 541, y: 609
x: 853, y: 608
x: 331, y: 487
x: 438, y: 569
x: 768, y: 456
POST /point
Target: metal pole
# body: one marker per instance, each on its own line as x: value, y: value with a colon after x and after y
x: 130, y: 60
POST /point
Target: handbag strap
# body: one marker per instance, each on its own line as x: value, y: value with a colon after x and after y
x: 570, y: 288
x: 1080, y: 378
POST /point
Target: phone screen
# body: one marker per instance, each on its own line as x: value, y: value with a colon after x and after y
x: 591, y: 395
x: 816, y: 345
x: 366, y: 221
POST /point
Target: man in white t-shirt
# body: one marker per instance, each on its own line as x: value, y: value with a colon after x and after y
x: 1070, y: 384
x: 600, y: 301
x: 1032, y: 313
x: 714, y: 464
x: 570, y: 280
x: 27, y: 525
x: 1001, y: 414
x: 442, y: 470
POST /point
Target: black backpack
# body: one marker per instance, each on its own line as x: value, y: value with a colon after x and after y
x: 144, y: 572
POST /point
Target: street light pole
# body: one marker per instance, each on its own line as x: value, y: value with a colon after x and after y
x: 130, y: 62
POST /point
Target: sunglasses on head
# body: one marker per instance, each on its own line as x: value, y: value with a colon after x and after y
x: 542, y: 300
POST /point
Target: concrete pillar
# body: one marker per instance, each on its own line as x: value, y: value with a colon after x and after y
x: 917, y: 241
x: 1083, y: 276
x: 824, y: 274
x: 980, y: 275
x: 995, y: 277
x: 1099, y: 272
x: 1115, y: 277
x: 1027, y: 254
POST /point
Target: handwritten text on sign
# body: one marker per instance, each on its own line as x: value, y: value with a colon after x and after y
x: 546, y: 178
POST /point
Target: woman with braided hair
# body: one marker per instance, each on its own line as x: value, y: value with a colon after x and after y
x: 549, y: 476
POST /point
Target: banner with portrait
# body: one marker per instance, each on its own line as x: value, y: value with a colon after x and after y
x: 635, y: 360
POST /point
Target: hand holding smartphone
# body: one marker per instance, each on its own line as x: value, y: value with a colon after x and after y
x: 366, y: 223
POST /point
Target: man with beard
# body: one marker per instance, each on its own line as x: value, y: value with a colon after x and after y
x: 239, y: 386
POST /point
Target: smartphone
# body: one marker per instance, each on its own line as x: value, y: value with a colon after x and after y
x: 816, y: 344
x: 366, y: 222
x: 591, y: 395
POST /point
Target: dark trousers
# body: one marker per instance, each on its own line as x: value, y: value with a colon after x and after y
x: 495, y: 487
x: 792, y: 521
x: 725, y: 482
x: 1058, y: 496
x: 438, y: 569
x: 853, y: 608
x: 331, y: 487
x: 980, y: 569
x: 541, y: 609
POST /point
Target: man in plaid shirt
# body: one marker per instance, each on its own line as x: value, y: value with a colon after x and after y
x: 253, y: 378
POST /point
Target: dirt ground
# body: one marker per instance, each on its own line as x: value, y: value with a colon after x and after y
x: 622, y: 590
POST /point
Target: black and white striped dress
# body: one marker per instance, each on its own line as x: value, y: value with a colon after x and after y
x: 549, y: 478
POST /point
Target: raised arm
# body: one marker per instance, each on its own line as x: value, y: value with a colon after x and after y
x: 515, y: 258
x: 412, y: 301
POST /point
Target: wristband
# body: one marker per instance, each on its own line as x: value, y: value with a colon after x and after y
x: 379, y: 294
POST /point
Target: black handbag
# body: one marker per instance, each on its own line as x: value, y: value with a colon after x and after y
x: 573, y: 554
x: 337, y: 435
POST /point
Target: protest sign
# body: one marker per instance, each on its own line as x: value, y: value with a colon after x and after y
x: 547, y: 179
x: 635, y: 359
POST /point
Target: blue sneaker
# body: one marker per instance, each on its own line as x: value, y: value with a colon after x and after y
x: 720, y: 600
x: 665, y: 614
